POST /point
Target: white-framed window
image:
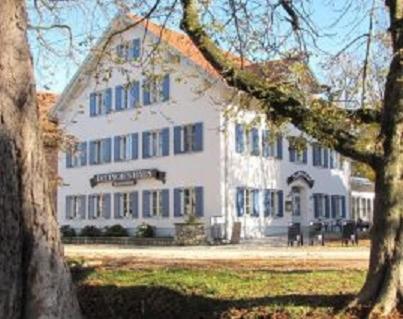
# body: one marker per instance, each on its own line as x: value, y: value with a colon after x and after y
x: 156, y: 89
x: 156, y: 144
x: 129, y: 50
x: 188, y: 201
x: 156, y: 203
x: 125, y: 205
x: 125, y: 147
x: 188, y: 137
x: 75, y: 206
x: 98, y: 151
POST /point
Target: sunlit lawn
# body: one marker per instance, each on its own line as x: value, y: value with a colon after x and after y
x: 175, y: 291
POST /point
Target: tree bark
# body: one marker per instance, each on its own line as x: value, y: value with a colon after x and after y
x: 34, y: 279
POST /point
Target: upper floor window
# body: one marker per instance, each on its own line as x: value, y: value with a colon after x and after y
x: 156, y: 143
x: 126, y: 205
x: 320, y: 156
x: 156, y: 203
x: 77, y: 157
x: 156, y: 89
x: 100, y: 151
x: 127, y: 96
x: 126, y: 147
x: 188, y: 138
x: 99, y: 206
x: 298, y: 150
x: 188, y: 201
x: 129, y: 50
x: 75, y: 207
x: 247, y: 141
x: 101, y: 102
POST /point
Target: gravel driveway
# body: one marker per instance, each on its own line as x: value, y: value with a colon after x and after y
x: 228, y: 252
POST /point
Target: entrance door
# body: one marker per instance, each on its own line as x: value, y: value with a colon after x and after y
x: 296, y: 204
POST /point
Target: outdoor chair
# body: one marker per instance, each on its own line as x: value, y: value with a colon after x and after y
x: 295, y: 235
x: 349, y: 233
x: 316, y: 233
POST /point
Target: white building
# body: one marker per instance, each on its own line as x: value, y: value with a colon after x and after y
x: 362, y: 199
x: 163, y: 147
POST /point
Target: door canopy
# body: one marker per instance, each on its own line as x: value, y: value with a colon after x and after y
x: 302, y: 176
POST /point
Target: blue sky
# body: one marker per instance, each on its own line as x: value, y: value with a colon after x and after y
x: 53, y: 71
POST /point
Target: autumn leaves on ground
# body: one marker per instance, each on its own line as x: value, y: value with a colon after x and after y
x: 280, y: 288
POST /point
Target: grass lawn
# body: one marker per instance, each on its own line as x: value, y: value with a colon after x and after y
x: 173, y: 290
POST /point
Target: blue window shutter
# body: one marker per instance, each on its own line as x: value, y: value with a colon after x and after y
x: 255, y: 141
x: 92, y: 153
x: 239, y: 138
x: 177, y: 202
x: 136, y: 48
x: 165, y: 141
x: 343, y: 206
x: 177, y: 140
x: 280, y: 146
x: 91, y: 206
x: 93, y: 104
x: 116, y: 205
x: 146, y: 204
x: 315, y: 205
x: 107, y: 150
x: 165, y: 88
x: 198, y: 141
x: 134, y: 97
x: 327, y: 206
x: 106, y: 206
x: 116, y: 148
x: 83, y: 205
x: 267, y: 203
x: 334, y: 199
x: 146, y: 92
x: 165, y: 202
x: 83, y: 153
x: 199, y: 201
x: 135, y: 145
x: 240, y: 201
x: 108, y: 100
x: 265, y: 143
x: 292, y: 154
x: 280, y: 197
x: 69, y: 206
x: 314, y: 159
x: 146, y: 144
x: 305, y: 155
x: 118, y: 97
x: 69, y: 159
x: 134, y: 203
x: 331, y: 159
x: 256, y: 206
x: 326, y: 157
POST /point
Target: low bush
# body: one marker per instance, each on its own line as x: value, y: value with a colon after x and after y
x: 116, y: 231
x: 145, y: 231
x: 67, y: 231
x: 91, y: 231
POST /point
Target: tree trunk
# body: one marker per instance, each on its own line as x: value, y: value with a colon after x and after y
x: 383, y: 289
x: 34, y: 280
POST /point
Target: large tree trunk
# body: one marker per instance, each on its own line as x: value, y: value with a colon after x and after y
x: 383, y: 289
x: 34, y: 279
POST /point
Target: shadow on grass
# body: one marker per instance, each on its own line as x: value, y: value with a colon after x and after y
x: 164, y: 303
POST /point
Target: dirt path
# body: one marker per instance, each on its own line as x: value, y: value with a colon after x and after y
x: 260, y: 256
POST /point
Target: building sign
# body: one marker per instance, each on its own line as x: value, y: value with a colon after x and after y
x: 127, y: 178
x: 301, y: 175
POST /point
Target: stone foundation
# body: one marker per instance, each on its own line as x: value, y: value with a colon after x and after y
x: 189, y: 234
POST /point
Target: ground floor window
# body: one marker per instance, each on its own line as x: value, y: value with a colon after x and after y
x: 338, y: 203
x: 126, y: 205
x: 156, y: 203
x: 321, y: 205
x: 273, y: 203
x: 188, y: 201
x: 99, y: 206
x: 247, y: 201
x: 75, y: 207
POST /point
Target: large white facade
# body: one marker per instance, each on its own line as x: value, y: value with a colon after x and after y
x: 224, y: 167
